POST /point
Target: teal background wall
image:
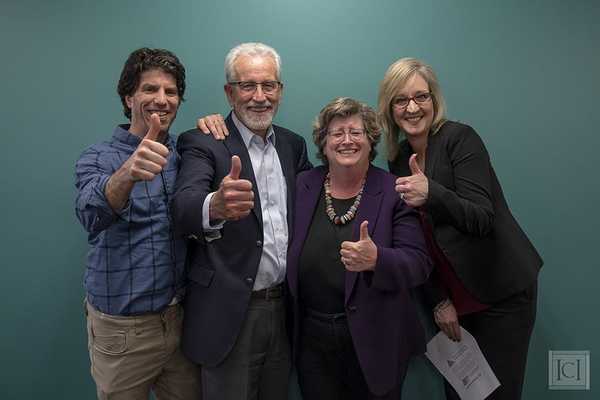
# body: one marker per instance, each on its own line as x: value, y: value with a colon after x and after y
x: 525, y: 74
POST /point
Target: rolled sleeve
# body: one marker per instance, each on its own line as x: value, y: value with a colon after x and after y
x: 92, y: 208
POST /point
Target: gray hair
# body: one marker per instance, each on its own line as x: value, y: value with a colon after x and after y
x: 250, y: 49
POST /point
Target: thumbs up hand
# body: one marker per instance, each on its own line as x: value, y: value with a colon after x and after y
x: 235, y: 198
x: 150, y: 157
x: 413, y: 189
x: 361, y: 255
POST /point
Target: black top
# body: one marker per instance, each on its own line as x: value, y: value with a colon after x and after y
x: 471, y: 221
x: 321, y: 272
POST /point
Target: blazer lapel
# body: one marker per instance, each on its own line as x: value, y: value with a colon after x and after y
x: 368, y: 210
x: 431, y: 155
x: 235, y: 145
x: 306, y: 203
x: 286, y: 159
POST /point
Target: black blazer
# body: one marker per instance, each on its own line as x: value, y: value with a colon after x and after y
x: 221, y: 272
x: 472, y: 224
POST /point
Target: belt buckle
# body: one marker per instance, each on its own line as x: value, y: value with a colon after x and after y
x: 270, y: 292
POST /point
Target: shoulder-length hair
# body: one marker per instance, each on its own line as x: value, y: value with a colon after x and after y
x: 395, y: 78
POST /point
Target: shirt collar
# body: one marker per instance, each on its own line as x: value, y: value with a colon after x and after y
x: 248, y: 135
x: 121, y: 134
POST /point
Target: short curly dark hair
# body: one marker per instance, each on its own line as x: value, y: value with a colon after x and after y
x: 146, y: 59
x: 345, y: 107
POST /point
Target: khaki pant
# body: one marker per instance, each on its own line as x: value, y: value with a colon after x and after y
x: 130, y: 356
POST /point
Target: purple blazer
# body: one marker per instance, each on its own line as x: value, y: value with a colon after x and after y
x: 381, y: 315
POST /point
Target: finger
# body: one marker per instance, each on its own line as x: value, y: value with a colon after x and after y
x: 218, y: 126
x: 364, y: 231
x: 145, y: 170
x: 240, y: 185
x: 236, y: 167
x: 402, y: 180
x: 201, y: 124
x: 231, y: 196
x: 241, y: 206
x: 456, y: 330
x: 448, y: 331
x: 404, y: 188
x: 147, y: 154
x: 347, y: 245
x: 346, y: 253
x: 223, y: 125
x: 154, y: 129
x: 414, y: 166
x: 157, y: 148
x: 142, y: 175
x: 216, y: 130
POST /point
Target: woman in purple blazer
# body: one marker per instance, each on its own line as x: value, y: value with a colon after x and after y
x: 355, y: 252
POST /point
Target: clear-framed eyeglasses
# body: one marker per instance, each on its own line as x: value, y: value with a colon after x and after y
x: 338, y: 135
x: 267, y: 87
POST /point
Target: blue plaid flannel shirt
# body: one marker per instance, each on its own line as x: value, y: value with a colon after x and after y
x: 135, y: 264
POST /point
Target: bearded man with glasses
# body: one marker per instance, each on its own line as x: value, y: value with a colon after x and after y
x: 234, y: 198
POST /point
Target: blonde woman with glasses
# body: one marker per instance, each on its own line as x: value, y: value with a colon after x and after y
x: 485, y: 276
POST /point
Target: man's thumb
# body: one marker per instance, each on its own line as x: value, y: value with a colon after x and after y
x: 154, y: 130
x: 236, y: 167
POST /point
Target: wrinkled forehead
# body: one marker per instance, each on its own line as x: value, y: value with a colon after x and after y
x: 341, y: 121
x: 250, y: 67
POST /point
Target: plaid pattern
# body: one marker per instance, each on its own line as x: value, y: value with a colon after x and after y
x: 135, y: 264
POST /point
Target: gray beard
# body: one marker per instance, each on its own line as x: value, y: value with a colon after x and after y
x: 256, y: 123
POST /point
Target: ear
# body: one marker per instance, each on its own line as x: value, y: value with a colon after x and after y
x: 129, y: 101
x: 228, y: 89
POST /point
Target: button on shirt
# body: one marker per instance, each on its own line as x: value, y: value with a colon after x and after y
x: 272, y: 190
x: 135, y: 264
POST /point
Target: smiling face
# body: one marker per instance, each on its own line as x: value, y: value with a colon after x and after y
x: 255, y: 109
x: 156, y: 94
x: 416, y: 118
x: 347, y: 145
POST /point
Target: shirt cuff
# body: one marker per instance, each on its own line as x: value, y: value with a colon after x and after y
x: 206, y: 215
x: 105, y: 215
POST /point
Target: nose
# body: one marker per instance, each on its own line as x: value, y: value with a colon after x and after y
x: 161, y: 97
x: 412, y: 106
x: 259, y: 95
x: 347, y: 138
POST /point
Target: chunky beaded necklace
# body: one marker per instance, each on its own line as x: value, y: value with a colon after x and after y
x: 349, y: 215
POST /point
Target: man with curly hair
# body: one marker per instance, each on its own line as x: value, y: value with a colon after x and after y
x: 134, y: 276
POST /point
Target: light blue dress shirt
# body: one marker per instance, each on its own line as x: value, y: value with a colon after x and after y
x: 272, y: 190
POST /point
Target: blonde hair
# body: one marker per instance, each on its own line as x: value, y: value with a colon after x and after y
x: 395, y: 78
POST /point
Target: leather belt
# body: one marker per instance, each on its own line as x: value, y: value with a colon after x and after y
x: 324, y: 317
x: 274, y: 292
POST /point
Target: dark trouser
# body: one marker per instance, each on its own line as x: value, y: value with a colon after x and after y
x: 503, y: 332
x: 258, y: 366
x: 328, y: 368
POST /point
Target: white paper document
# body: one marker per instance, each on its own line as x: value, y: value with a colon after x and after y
x: 463, y: 365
